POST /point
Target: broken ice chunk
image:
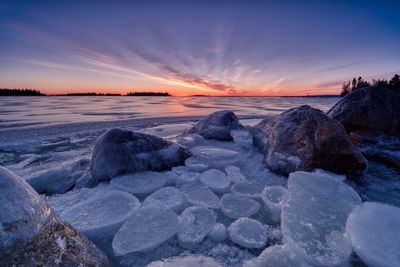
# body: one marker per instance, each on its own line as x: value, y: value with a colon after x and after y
x: 273, y: 197
x: 199, y: 194
x: 249, y: 189
x: 195, y: 223
x: 145, y: 230
x: 214, y: 156
x: 218, y: 233
x: 216, y: 180
x: 236, y: 206
x: 186, y: 261
x: 140, y: 183
x: 248, y: 233
x: 168, y: 197
x: 234, y: 173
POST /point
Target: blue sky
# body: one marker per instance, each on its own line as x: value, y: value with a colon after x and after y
x: 197, y: 47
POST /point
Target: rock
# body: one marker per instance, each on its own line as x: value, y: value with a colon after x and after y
x: 102, y: 216
x: 374, y: 230
x: 140, y: 183
x: 217, y: 125
x: 33, y: 235
x: 236, y: 206
x: 248, y: 233
x: 199, y: 194
x: 314, y: 214
x: 305, y: 138
x: 217, y: 180
x: 145, y: 230
x: 118, y: 152
x: 196, y: 223
x: 183, y: 261
x: 168, y: 197
x: 372, y: 108
x: 273, y: 199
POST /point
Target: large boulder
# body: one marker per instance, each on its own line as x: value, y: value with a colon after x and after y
x: 372, y: 108
x: 217, y: 125
x: 305, y: 138
x: 120, y: 151
x: 31, y: 234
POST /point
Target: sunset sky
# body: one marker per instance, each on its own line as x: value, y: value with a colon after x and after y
x: 197, y: 47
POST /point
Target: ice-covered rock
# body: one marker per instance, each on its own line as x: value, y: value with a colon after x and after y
x: 215, y: 157
x: 186, y: 261
x: 145, y: 230
x: 199, y: 194
x: 216, y: 180
x: 196, y: 165
x: 187, y: 177
x: 374, y: 230
x: 248, y: 233
x: 217, y: 125
x: 103, y: 215
x: 278, y: 256
x: 235, y: 206
x: 195, y: 224
x: 305, y: 138
x: 140, y: 183
x: 273, y: 199
x: 118, y: 152
x: 168, y: 197
x: 369, y: 109
x: 243, y: 138
x: 314, y: 214
x: 248, y: 189
x: 218, y: 233
x: 235, y: 174
x: 59, y: 179
x: 31, y: 234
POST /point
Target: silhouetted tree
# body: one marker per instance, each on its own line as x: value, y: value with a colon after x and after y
x: 392, y: 84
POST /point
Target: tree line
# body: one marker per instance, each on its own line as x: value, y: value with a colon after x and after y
x: 350, y: 86
x: 19, y: 92
x: 32, y: 92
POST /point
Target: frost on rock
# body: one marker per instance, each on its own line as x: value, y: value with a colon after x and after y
x: 195, y: 224
x: 243, y: 138
x: 187, y: 177
x: 374, y: 230
x: 218, y: 233
x: 248, y: 189
x: 314, y: 214
x: 235, y: 174
x: 278, y: 256
x: 216, y: 180
x: 168, y: 197
x: 59, y: 179
x: 248, y: 233
x: 141, y: 183
x: 199, y: 194
x: 145, y: 230
x: 273, y: 198
x: 214, y: 156
x: 186, y: 261
x: 196, y: 165
x: 103, y: 215
x: 236, y: 206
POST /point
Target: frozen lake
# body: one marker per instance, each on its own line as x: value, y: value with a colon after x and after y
x: 21, y: 112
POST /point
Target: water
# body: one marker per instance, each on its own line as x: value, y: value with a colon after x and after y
x: 22, y: 112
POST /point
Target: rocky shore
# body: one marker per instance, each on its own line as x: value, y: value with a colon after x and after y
x: 284, y: 192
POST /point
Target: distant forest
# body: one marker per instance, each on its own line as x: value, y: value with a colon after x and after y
x: 350, y: 86
x: 32, y: 92
x: 20, y: 92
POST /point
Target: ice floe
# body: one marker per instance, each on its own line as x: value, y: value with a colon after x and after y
x: 248, y: 233
x: 249, y: 189
x: 183, y: 261
x: 168, y: 197
x: 217, y: 180
x: 374, y: 230
x: 195, y: 224
x: 273, y: 198
x: 235, y: 206
x: 141, y: 183
x: 218, y: 233
x: 145, y: 230
x: 199, y: 194
x: 216, y: 157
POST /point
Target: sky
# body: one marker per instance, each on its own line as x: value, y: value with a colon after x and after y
x: 269, y: 48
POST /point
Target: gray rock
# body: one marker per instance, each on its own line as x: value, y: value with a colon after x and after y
x: 372, y: 108
x: 217, y: 125
x: 31, y: 234
x: 118, y: 152
x: 305, y: 138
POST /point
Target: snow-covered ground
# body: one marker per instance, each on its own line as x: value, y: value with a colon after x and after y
x: 222, y: 208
